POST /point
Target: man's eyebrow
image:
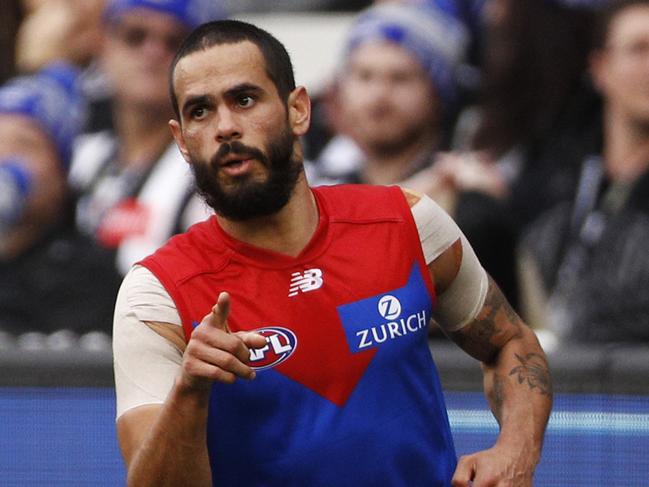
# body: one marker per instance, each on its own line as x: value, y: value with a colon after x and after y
x: 195, y: 100
x: 243, y: 88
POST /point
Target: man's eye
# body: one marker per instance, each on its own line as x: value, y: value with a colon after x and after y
x: 245, y: 101
x: 198, y: 112
x: 401, y: 78
x: 363, y: 76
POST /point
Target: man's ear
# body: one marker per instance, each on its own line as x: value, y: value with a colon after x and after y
x: 177, y: 132
x: 299, y: 111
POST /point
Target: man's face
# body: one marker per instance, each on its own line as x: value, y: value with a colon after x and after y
x: 235, y: 131
x: 137, y: 52
x: 386, y: 99
x: 621, y: 71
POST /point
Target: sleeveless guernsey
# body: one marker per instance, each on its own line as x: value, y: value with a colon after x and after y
x: 346, y: 392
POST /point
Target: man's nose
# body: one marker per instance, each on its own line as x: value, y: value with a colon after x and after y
x: 228, y: 127
x: 379, y: 88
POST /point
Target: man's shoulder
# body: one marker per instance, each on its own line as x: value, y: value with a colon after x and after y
x: 188, y: 253
x: 356, y: 189
x: 362, y: 201
x: 196, y: 237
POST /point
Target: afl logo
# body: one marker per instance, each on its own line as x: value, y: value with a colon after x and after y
x: 280, y: 345
x: 389, y: 307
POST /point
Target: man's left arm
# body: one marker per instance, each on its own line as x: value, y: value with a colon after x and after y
x: 519, y: 389
x: 472, y: 311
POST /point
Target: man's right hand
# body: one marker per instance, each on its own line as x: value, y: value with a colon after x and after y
x: 213, y: 353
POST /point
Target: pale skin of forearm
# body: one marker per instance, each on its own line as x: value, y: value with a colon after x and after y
x: 166, y: 445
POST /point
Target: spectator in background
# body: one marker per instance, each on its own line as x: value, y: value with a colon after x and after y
x: 536, y: 112
x: 515, y: 150
x: 51, y: 279
x: 587, y: 263
x: 134, y: 190
x: 470, y: 12
x: 68, y: 30
x: 324, y: 116
x: 397, y: 93
x: 58, y: 30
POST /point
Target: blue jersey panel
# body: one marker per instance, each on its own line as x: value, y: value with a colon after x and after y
x: 392, y: 431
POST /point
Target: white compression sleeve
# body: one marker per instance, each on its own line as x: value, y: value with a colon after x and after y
x: 463, y: 299
x: 145, y: 363
x: 437, y: 230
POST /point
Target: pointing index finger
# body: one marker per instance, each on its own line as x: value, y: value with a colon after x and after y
x: 220, y: 311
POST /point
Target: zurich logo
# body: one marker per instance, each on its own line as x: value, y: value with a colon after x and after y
x: 280, y: 345
x: 395, y: 316
x: 389, y: 307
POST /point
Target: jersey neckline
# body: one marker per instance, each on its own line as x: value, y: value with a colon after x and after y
x: 266, y: 258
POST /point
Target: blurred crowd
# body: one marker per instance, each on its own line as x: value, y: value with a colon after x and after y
x: 526, y: 120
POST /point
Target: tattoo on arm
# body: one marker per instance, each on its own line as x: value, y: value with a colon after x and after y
x: 533, y: 371
x: 496, y: 323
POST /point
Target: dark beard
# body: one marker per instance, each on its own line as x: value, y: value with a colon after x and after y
x: 250, y: 199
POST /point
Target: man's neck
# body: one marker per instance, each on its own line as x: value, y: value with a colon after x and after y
x: 626, y: 147
x: 143, y: 135
x: 288, y: 231
x: 391, y: 168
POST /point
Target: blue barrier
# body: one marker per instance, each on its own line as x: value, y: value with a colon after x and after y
x: 591, y: 440
x: 66, y: 437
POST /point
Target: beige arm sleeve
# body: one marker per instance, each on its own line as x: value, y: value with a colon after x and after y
x: 461, y: 302
x: 145, y: 363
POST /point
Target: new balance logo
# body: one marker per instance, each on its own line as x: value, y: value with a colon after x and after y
x: 309, y: 280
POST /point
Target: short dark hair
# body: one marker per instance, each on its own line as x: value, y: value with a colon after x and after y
x: 278, y: 63
x: 607, y: 15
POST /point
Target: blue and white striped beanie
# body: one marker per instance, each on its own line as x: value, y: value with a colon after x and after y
x: 469, y: 12
x: 436, y: 38
x: 190, y: 13
x: 53, y: 98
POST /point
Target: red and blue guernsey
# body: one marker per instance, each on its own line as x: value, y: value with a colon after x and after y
x: 346, y: 393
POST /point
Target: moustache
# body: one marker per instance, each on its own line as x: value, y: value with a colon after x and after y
x: 237, y: 149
